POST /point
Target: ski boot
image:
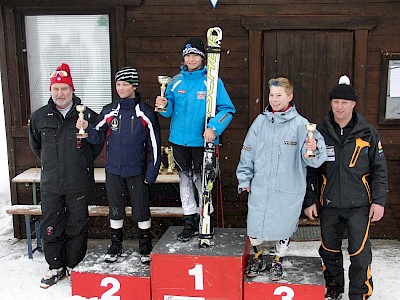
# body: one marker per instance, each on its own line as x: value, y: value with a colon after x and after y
x: 51, y: 277
x: 256, y: 266
x: 333, y: 291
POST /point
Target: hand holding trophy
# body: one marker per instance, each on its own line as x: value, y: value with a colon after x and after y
x: 163, y: 80
x: 310, y: 128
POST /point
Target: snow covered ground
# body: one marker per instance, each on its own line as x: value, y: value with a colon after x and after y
x: 20, y: 276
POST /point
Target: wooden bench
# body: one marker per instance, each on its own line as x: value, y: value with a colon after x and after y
x: 32, y: 176
x: 94, y: 211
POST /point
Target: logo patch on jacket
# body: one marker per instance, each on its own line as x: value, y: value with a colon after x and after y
x: 114, y: 124
x: 380, y: 149
x: 201, y: 95
x: 247, y: 148
x: 49, y: 230
x: 291, y: 143
x: 330, y: 151
x: 181, y: 91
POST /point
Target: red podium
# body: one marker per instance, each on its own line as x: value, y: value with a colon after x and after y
x: 302, y: 279
x: 128, y: 279
x: 183, y: 271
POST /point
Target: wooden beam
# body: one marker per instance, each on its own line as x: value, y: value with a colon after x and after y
x: 255, y: 74
x: 360, y: 67
x: 297, y: 22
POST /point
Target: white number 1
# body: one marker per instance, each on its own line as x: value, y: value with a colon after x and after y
x: 197, y: 272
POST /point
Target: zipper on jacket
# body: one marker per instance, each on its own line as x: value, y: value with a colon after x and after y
x: 120, y: 122
x: 132, y: 124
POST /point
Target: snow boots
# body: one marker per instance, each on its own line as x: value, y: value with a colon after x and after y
x: 51, y: 277
x: 115, y: 249
x: 145, y: 245
x: 333, y: 291
x: 190, y: 228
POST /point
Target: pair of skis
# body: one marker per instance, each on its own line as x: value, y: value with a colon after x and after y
x: 206, y: 231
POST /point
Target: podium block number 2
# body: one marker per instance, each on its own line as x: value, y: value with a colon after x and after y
x: 284, y: 290
x: 115, y: 287
x: 197, y: 272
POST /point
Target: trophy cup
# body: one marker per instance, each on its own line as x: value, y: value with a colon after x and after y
x: 162, y: 165
x: 163, y: 80
x: 171, y: 163
x: 310, y: 128
x: 81, y: 134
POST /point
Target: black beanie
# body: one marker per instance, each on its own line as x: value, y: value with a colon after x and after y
x: 127, y: 74
x: 194, y: 46
x: 344, y: 90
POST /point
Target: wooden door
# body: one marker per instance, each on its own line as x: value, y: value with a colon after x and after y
x: 313, y: 60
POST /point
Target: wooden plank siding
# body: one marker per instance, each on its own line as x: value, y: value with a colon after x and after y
x: 150, y: 35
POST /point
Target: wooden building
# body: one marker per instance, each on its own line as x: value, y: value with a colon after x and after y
x: 312, y: 42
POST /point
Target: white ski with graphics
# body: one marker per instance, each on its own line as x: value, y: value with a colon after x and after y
x: 214, y: 39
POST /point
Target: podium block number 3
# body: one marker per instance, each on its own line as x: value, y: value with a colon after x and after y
x: 284, y: 290
x: 197, y: 272
x: 115, y: 287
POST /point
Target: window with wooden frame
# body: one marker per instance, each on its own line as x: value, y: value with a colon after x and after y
x: 81, y: 41
x: 389, y: 103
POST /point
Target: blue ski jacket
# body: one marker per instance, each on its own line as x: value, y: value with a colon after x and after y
x: 186, y: 94
x: 132, y: 134
x: 273, y: 165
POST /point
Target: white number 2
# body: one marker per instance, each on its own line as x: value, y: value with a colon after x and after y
x: 197, y: 272
x: 284, y: 289
x: 115, y: 286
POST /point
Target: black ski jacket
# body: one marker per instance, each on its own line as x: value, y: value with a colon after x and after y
x: 355, y: 172
x: 65, y: 168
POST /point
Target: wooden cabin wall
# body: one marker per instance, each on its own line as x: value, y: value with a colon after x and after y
x: 153, y: 34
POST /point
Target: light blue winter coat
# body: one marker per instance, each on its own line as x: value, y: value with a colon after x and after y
x: 186, y: 94
x: 273, y: 166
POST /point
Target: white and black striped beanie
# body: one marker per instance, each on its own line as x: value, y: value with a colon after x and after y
x: 127, y: 74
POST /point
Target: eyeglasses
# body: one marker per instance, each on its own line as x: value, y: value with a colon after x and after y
x: 59, y: 74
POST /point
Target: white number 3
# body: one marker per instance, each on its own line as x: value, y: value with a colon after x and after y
x: 284, y: 289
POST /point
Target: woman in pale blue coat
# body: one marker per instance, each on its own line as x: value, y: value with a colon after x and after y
x: 272, y: 168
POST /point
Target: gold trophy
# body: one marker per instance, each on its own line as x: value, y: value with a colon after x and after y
x: 81, y: 134
x: 161, y: 165
x: 163, y: 80
x: 310, y: 128
x: 171, y: 163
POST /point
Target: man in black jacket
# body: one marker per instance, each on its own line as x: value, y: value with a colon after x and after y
x: 66, y: 176
x: 353, y: 192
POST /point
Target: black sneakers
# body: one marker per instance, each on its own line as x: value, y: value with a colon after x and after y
x: 190, y: 229
x: 256, y: 266
x: 276, y: 272
x: 333, y: 291
x: 51, y: 277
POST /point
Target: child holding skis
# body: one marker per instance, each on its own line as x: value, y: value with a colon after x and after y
x: 272, y: 169
x: 185, y: 103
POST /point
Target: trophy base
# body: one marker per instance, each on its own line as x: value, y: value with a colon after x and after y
x: 170, y: 171
x: 81, y: 135
x: 160, y: 109
x: 310, y: 154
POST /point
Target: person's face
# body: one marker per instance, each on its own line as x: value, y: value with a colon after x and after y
x: 125, y: 89
x: 193, y: 61
x: 342, y: 109
x: 278, y: 99
x: 61, y: 94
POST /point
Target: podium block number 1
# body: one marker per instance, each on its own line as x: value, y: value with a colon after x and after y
x: 115, y: 287
x: 289, y: 293
x: 197, y: 272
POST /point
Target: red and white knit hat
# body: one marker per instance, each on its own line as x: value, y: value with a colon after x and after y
x: 62, y: 75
